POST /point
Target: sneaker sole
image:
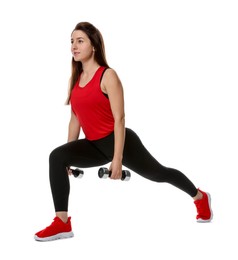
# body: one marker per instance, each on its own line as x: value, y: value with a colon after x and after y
x: 63, y: 235
x: 200, y: 220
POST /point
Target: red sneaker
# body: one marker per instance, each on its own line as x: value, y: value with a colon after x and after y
x: 57, y: 230
x: 204, y: 208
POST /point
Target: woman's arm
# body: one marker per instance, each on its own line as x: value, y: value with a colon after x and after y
x: 73, y: 132
x: 74, y: 128
x: 112, y: 86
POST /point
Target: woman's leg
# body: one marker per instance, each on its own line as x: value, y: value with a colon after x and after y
x: 80, y: 153
x: 137, y: 158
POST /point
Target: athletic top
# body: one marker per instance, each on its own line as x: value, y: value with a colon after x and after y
x: 92, y: 108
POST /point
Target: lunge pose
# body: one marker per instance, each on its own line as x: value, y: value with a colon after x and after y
x: 97, y: 107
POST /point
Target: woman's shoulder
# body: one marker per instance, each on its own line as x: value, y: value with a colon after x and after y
x: 110, y: 78
x: 110, y: 74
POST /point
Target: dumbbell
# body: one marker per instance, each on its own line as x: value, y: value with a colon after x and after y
x: 77, y: 173
x: 104, y: 173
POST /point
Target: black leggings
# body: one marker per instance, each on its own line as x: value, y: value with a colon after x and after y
x: 84, y: 153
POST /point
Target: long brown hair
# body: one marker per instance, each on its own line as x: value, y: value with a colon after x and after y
x: 97, y: 42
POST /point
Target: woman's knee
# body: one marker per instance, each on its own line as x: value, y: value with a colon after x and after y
x: 57, y: 155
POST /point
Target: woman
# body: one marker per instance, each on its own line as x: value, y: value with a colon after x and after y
x: 96, y: 98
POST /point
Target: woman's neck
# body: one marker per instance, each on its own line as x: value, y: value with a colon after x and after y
x: 90, y: 67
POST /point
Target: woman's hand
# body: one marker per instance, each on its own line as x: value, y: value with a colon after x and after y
x: 69, y: 171
x: 116, y: 169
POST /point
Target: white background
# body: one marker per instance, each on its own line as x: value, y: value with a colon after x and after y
x: 177, y: 61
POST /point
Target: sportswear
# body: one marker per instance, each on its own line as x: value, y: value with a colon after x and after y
x: 204, y: 208
x: 57, y: 230
x: 92, y: 107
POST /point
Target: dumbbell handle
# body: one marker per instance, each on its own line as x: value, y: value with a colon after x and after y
x: 105, y: 173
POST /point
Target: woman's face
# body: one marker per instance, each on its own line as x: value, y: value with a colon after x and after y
x: 81, y: 47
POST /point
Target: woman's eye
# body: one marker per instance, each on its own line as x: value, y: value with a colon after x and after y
x: 79, y: 41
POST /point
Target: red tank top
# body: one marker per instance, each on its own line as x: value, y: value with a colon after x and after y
x: 92, y: 108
